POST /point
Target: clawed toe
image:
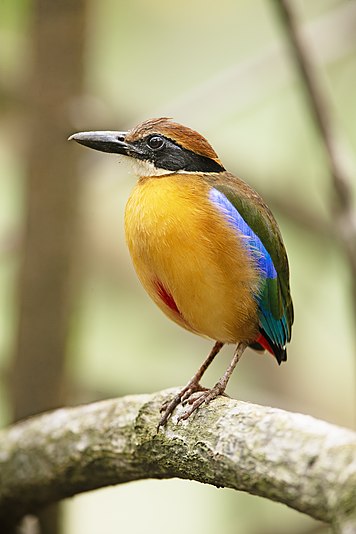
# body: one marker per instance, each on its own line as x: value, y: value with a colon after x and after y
x: 193, y: 396
x: 186, y: 396
x: 182, y: 397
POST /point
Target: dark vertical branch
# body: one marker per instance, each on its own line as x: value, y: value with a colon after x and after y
x: 57, y: 34
x: 343, y: 211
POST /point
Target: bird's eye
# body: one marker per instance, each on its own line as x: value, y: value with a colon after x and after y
x: 155, y: 142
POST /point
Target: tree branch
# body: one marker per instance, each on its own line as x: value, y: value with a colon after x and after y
x: 344, y: 215
x: 308, y: 464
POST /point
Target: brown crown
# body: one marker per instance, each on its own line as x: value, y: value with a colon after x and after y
x: 183, y: 136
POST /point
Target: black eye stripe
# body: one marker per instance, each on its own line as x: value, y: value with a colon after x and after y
x: 171, y: 156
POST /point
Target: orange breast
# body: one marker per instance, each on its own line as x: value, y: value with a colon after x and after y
x: 190, y: 262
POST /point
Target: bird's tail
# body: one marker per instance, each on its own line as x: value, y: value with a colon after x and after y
x: 263, y: 342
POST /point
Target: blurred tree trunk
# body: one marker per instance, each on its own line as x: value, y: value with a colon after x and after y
x: 57, y: 38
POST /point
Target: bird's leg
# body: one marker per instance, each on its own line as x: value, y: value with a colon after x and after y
x: 192, y: 386
x: 219, y: 388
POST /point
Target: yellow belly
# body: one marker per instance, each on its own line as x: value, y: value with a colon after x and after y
x: 179, y: 242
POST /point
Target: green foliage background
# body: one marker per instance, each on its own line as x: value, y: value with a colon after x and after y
x: 221, y: 68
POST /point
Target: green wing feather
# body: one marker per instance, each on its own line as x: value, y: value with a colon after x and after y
x: 276, y: 292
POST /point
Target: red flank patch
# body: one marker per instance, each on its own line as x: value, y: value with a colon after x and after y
x: 166, y: 297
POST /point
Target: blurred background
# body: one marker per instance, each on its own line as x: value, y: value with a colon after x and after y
x: 75, y: 324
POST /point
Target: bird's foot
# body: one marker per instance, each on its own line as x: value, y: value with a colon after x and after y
x: 197, y: 398
x: 183, y: 397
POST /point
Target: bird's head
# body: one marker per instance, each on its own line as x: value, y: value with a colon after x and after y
x: 157, y: 147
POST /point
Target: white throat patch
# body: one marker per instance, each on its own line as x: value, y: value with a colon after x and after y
x: 143, y: 167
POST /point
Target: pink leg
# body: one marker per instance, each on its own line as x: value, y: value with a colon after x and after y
x: 209, y: 394
x: 192, y: 386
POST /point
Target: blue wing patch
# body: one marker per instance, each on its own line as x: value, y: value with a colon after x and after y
x: 275, y: 327
x: 252, y: 242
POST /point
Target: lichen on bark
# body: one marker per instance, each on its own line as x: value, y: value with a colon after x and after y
x: 305, y: 463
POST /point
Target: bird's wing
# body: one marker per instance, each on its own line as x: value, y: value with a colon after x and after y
x: 253, y: 219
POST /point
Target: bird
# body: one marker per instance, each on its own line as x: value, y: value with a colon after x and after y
x: 205, y: 246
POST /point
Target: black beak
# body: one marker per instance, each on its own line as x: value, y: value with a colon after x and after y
x: 104, y: 141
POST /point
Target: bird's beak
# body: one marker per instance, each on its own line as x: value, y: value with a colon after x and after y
x: 104, y: 141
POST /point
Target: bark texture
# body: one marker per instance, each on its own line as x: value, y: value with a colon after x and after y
x: 44, y: 293
x: 308, y: 464
x: 51, y: 204
x: 337, y: 157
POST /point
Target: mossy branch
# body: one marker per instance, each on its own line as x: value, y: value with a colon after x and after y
x: 308, y: 464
